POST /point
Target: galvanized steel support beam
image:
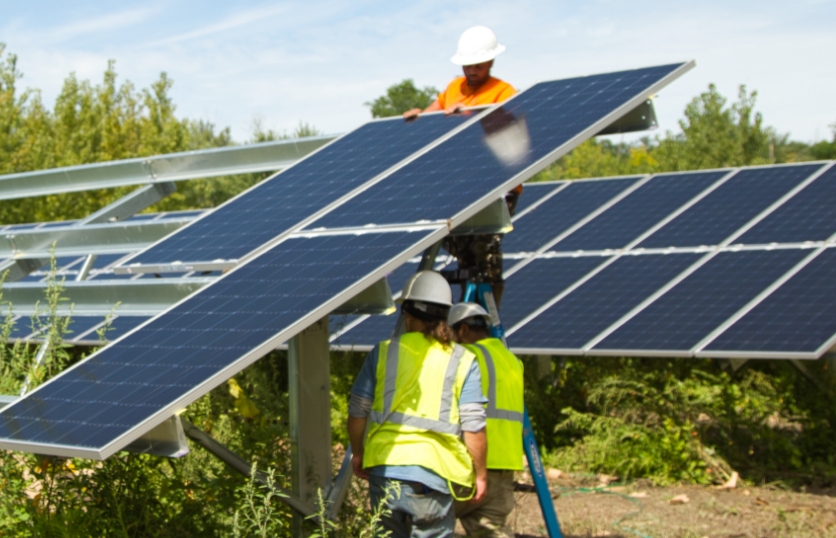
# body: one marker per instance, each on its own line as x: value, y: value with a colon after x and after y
x: 132, y: 203
x: 309, y: 377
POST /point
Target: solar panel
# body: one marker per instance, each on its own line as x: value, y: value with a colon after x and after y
x: 116, y: 395
x: 686, y: 314
x: 725, y: 210
x: 151, y: 372
x: 560, y: 212
x: 795, y: 321
x: 640, y: 210
x: 468, y: 165
x: 272, y: 207
x: 577, y: 318
x: 808, y: 216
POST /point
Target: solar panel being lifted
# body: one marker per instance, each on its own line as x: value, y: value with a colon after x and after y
x: 113, y: 397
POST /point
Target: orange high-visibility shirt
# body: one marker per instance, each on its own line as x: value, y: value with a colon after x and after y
x: 458, y: 92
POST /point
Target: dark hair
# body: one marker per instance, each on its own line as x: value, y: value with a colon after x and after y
x: 439, y: 330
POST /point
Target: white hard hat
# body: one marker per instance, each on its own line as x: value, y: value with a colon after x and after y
x: 427, y: 287
x: 477, y: 45
x: 463, y: 311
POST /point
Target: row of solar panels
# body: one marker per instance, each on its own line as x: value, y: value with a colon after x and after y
x: 586, y: 253
x: 313, y: 237
x: 728, y: 263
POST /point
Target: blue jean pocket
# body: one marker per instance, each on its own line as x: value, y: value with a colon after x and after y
x: 427, y: 508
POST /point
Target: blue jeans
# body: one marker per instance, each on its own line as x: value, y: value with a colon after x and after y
x: 415, y: 512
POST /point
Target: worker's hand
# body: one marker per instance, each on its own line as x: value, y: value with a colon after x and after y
x: 481, y: 489
x: 412, y: 114
x: 453, y: 109
x: 357, y: 465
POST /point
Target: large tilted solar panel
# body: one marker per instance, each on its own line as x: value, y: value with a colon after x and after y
x: 113, y: 397
x: 593, y: 292
x: 298, y: 192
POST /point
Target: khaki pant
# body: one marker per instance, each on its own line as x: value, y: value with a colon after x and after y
x: 487, y: 518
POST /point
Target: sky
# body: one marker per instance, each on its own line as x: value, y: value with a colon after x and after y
x: 281, y: 63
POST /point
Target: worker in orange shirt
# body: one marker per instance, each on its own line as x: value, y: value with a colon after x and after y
x: 479, y: 256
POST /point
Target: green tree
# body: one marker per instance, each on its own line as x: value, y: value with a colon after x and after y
x: 401, y: 97
x: 823, y: 149
x: 715, y: 135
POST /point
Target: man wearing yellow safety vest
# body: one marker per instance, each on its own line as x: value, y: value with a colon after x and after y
x: 502, y: 381
x: 417, y: 418
x: 478, y: 47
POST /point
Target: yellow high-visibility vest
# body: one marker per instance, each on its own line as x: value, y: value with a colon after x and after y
x: 415, y: 411
x: 502, y: 383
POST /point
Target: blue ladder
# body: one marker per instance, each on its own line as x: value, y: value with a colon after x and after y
x: 482, y: 293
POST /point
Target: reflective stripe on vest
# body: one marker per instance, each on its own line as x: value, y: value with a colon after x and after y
x: 443, y: 424
x: 492, y: 411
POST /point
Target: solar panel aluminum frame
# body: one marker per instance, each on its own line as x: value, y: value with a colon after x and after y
x: 126, y: 268
x: 318, y: 313
x: 121, y: 442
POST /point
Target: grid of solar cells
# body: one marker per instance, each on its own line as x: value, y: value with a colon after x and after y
x: 810, y: 215
x: 560, y: 212
x: 600, y: 301
x: 639, y: 211
x: 442, y: 182
x: 275, y: 205
x: 797, y: 317
x: 726, y: 209
x: 686, y: 314
x: 103, y: 397
x: 538, y: 282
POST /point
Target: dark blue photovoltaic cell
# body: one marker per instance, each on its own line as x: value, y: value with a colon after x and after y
x: 538, y: 282
x: 810, y: 215
x: 560, y: 212
x: 447, y: 178
x: 699, y: 304
x: 277, y: 204
x: 639, y: 211
x: 725, y: 210
x: 125, y: 384
x: 533, y: 192
x: 798, y: 316
x: 598, y: 303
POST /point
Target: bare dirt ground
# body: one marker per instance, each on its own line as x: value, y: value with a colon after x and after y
x: 587, y: 508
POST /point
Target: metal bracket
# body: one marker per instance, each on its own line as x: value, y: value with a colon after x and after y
x: 175, y: 267
x: 641, y: 118
x: 168, y: 439
x: 376, y: 299
x: 494, y: 219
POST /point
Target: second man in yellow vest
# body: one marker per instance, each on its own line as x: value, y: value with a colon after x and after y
x: 502, y: 382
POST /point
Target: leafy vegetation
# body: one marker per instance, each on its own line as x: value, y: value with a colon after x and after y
x: 402, y: 97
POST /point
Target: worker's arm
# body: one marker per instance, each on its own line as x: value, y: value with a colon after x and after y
x: 356, y: 434
x: 473, y: 420
x: 411, y: 114
x: 477, y: 447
